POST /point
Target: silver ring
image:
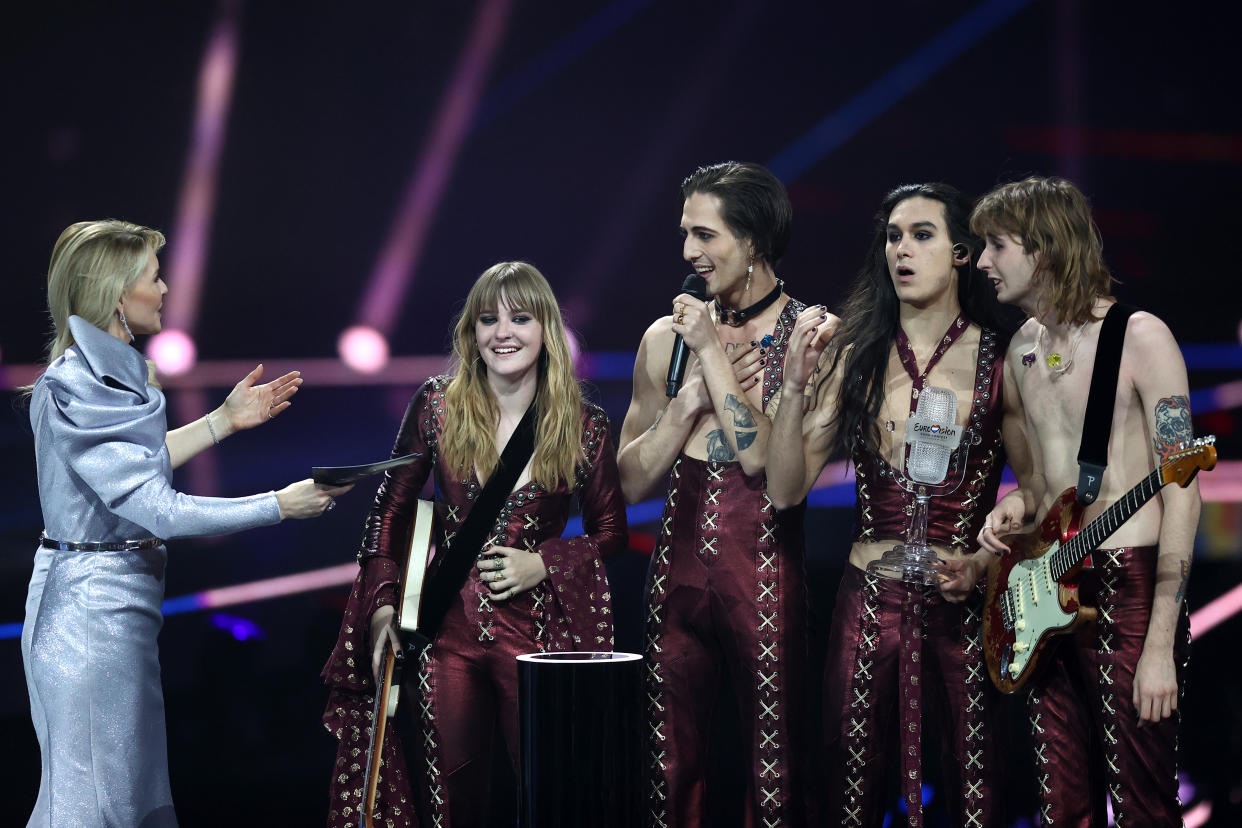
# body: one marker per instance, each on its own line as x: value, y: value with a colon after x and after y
x: 331, y: 505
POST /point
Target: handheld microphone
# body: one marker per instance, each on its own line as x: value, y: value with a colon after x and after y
x: 696, y: 286
x: 932, y: 434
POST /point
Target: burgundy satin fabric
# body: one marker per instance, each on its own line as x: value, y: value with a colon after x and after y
x: 882, y: 509
x: 1084, y: 726
x: 469, y: 693
x: 726, y: 602
x: 570, y: 610
x: 875, y: 694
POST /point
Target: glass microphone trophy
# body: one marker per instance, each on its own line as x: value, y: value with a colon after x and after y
x: 932, y: 434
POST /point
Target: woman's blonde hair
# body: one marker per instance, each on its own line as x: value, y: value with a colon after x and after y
x: 1052, y: 219
x: 93, y: 264
x: 471, y: 411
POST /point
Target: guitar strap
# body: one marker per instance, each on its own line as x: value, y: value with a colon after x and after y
x: 447, y: 576
x: 1098, y: 423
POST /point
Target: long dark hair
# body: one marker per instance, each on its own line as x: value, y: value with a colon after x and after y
x: 869, y: 315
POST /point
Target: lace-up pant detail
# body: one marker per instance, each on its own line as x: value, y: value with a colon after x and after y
x: 1084, y: 725
x: 725, y: 602
x: 900, y: 656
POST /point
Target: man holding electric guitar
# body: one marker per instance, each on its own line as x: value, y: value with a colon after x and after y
x: 1102, y: 697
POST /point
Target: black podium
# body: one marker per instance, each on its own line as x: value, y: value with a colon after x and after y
x: 581, y: 730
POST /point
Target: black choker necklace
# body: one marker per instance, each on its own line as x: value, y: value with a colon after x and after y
x: 737, y: 318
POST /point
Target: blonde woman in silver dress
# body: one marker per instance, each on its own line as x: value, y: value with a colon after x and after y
x: 105, y: 459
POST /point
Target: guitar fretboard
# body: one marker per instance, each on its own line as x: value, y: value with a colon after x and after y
x: 1081, y: 545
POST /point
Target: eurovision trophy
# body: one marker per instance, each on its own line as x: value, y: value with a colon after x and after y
x: 931, y: 437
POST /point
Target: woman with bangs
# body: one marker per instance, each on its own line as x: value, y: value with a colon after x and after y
x: 530, y: 589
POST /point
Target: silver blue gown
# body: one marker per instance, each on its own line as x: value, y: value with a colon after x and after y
x: 92, y: 618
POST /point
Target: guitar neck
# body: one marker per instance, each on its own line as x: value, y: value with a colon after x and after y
x: 1090, y: 538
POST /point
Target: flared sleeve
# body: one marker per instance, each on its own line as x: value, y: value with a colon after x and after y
x: 351, y: 689
x: 580, y: 617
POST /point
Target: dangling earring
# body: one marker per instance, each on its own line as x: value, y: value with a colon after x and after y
x: 750, y: 270
x: 121, y: 314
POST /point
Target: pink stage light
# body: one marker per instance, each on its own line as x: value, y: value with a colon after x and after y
x: 1216, y: 611
x: 575, y: 349
x: 173, y: 352
x: 191, y: 230
x: 364, y: 349
x: 279, y: 586
x: 398, y: 260
x: 1198, y: 815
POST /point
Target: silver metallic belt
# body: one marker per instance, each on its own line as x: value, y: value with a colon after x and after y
x: 99, y: 546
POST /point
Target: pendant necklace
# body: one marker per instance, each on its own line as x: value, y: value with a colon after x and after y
x: 1057, y: 363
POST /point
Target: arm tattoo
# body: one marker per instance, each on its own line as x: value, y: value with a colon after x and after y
x: 717, y: 447
x: 742, y: 416
x: 1173, y: 429
x: 1181, y: 587
x: 659, y: 417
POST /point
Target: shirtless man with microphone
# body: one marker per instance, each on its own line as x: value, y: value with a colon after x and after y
x: 725, y: 595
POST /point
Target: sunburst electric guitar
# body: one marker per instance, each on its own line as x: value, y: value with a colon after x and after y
x: 1032, y: 592
x: 387, y: 694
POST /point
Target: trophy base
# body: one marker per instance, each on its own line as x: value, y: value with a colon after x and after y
x: 911, y: 564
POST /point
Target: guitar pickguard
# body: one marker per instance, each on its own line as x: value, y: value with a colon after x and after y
x: 1030, y: 608
x: 1025, y: 605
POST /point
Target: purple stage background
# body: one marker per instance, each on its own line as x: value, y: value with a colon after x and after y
x: 320, y: 166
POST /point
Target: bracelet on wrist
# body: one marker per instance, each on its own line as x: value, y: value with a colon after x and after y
x: 211, y: 429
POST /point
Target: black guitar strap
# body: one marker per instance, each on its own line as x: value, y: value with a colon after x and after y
x: 446, y: 578
x: 1098, y: 423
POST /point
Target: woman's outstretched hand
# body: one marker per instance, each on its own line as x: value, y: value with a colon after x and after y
x: 249, y: 405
